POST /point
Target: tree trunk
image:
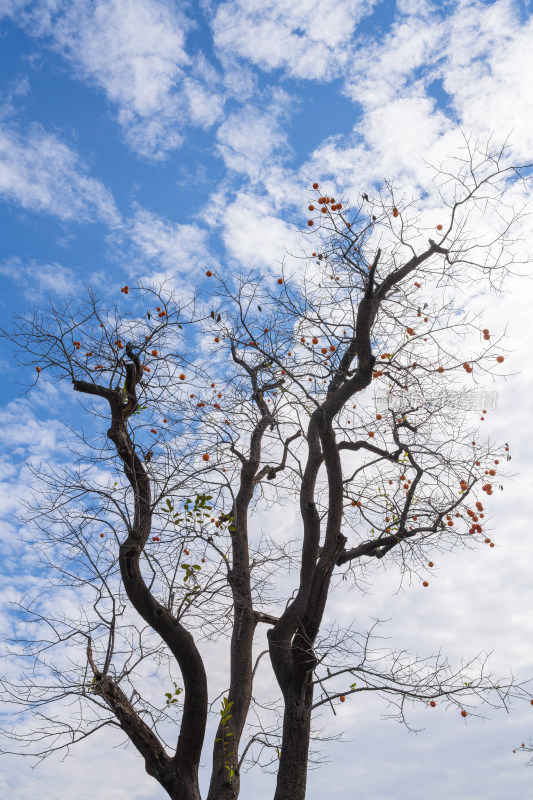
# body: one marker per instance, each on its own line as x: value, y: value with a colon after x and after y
x: 292, y: 774
x: 183, y: 786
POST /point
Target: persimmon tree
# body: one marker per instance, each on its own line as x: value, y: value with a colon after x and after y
x: 203, y: 416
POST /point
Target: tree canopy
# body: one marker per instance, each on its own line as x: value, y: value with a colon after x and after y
x: 338, y: 392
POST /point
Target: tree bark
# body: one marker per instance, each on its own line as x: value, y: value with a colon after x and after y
x: 178, y: 775
x: 225, y: 777
x: 292, y: 773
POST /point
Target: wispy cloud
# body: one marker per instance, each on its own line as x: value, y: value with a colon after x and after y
x: 39, y: 280
x: 426, y: 79
x: 158, y: 248
x: 308, y: 39
x: 252, y: 140
x: 255, y: 236
x: 135, y: 51
x: 41, y: 173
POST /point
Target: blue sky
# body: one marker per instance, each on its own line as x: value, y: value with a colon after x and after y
x: 146, y: 138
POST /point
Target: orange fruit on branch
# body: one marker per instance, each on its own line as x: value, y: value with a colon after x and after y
x: 206, y: 457
x: 209, y: 273
x: 315, y: 185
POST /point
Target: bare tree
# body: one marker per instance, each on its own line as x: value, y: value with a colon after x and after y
x: 219, y: 412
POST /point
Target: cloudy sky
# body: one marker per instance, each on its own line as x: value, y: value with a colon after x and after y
x: 149, y: 138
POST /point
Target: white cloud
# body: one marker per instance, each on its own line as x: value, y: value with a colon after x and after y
x: 382, y: 69
x: 487, y: 72
x: 171, y: 249
x: 135, y: 51
x: 39, y: 279
x: 383, y: 146
x: 251, y: 141
x: 480, y: 54
x: 41, y: 173
x: 307, y: 38
x: 254, y: 236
